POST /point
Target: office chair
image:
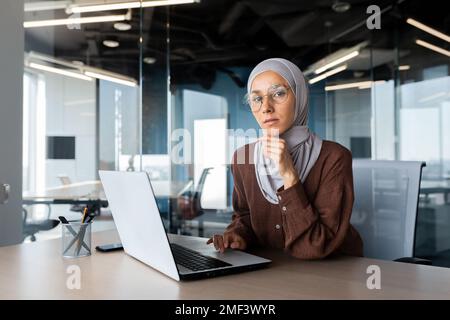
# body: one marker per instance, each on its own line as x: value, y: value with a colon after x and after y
x: 189, y: 206
x: 31, y: 228
x: 385, y: 208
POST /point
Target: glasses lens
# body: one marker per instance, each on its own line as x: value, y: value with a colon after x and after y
x: 255, y: 101
x: 279, y: 95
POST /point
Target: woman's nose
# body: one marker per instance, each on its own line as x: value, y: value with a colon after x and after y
x: 266, y: 106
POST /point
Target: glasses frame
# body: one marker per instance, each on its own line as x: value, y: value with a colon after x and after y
x: 273, y: 87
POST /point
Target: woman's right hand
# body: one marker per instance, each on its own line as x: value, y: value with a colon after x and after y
x: 228, y: 240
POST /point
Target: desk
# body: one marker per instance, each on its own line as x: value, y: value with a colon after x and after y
x: 37, y: 271
x: 436, y: 187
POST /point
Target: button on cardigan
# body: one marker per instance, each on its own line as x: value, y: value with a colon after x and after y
x: 311, y: 220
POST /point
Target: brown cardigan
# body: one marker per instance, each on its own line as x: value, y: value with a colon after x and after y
x: 311, y: 220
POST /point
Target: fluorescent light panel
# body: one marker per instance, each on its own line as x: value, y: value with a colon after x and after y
x: 359, y: 85
x: 428, y: 29
x: 327, y: 74
x: 45, y: 5
x: 69, y: 21
x: 126, y: 5
x: 337, y: 61
x: 433, y: 47
x: 59, y: 71
x: 110, y: 78
x: 404, y: 67
x: 369, y: 84
x: 104, y: 7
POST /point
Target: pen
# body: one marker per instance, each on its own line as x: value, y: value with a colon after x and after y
x: 84, y: 215
x: 82, y: 231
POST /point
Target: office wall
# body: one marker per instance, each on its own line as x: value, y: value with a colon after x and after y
x: 70, y: 111
x: 11, y: 74
x: 349, y: 116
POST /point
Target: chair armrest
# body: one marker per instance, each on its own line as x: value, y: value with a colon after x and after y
x: 414, y: 260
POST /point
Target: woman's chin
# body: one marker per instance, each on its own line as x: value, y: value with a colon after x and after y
x: 272, y: 130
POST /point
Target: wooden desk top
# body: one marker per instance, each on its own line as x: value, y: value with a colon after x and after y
x: 37, y: 271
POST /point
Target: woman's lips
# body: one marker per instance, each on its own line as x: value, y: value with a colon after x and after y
x: 270, y: 121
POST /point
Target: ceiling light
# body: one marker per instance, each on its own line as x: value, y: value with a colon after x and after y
x: 359, y: 85
x: 45, y: 5
x: 111, y: 43
x: 337, y: 61
x: 404, y: 67
x: 433, y: 47
x: 122, y: 26
x: 340, y: 6
x: 337, y: 58
x: 103, y: 7
x: 131, y: 83
x: 59, y: 71
x: 428, y: 29
x: 370, y: 84
x: 85, y: 72
x: 126, y: 5
x: 149, y: 60
x: 71, y: 21
x: 327, y: 74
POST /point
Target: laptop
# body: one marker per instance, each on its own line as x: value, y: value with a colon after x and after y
x: 141, y: 230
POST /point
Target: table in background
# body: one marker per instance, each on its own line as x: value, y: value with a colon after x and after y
x: 91, y: 193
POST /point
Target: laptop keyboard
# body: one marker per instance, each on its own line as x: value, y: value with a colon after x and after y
x: 193, y: 260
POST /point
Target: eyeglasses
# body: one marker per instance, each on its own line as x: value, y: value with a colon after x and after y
x: 277, y: 94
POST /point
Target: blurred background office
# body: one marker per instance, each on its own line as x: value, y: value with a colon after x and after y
x: 107, y: 83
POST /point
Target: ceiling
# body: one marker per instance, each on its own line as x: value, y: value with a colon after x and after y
x: 217, y: 35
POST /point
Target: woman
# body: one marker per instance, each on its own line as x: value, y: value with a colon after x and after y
x: 297, y: 194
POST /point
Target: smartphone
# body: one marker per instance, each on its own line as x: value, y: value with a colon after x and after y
x: 109, y: 247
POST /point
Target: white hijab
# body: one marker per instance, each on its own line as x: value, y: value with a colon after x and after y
x: 304, y: 146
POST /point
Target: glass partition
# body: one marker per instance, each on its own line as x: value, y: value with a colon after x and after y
x: 81, y: 109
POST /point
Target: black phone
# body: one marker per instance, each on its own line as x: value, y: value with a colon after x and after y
x: 109, y: 247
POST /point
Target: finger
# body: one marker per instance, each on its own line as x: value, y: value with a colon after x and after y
x: 226, y: 240
x: 275, y: 144
x: 275, y: 150
x: 229, y: 238
x: 220, y: 244
x: 275, y: 156
x: 210, y: 240
x: 237, y: 245
x: 216, y: 241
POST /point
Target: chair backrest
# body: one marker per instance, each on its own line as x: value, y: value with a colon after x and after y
x: 385, y: 208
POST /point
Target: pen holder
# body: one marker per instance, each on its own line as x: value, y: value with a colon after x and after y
x: 76, y: 239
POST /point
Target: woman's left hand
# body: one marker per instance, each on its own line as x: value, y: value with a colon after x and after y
x: 277, y: 150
